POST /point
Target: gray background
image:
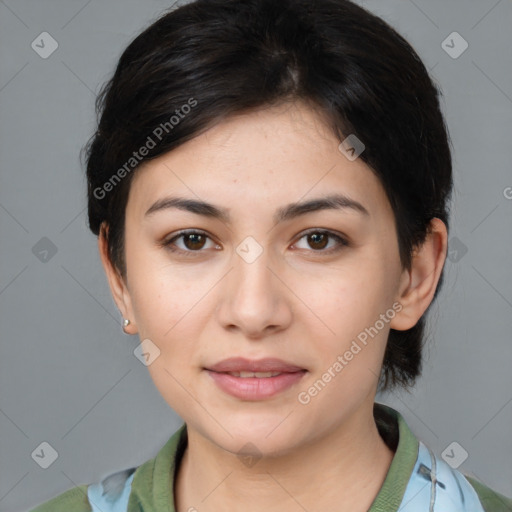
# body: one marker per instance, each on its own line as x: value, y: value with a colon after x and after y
x: 68, y: 373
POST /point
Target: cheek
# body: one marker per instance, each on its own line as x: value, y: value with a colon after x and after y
x: 344, y: 300
x: 163, y: 295
x: 164, y: 312
x: 346, y: 306
x: 168, y: 312
x: 346, y: 362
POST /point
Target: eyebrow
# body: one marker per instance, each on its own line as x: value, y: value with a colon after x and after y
x: 288, y: 212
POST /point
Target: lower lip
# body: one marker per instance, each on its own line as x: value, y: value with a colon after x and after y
x: 254, y: 388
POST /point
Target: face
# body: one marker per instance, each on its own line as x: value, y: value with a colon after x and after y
x: 256, y: 277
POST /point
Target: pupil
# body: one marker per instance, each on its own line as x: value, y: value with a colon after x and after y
x: 322, y: 236
x: 196, y: 237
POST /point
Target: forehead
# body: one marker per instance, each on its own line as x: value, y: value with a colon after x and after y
x: 272, y: 155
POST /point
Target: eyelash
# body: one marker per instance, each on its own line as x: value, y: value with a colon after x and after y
x: 169, y: 244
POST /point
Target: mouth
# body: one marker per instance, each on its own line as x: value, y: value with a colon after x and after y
x: 241, y: 365
x: 255, y: 380
x: 258, y: 375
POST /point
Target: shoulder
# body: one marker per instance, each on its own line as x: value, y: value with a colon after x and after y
x: 491, y: 500
x: 111, y: 494
x: 144, y: 487
x: 467, y: 492
x: 424, y: 481
x: 447, y: 489
x: 74, y: 499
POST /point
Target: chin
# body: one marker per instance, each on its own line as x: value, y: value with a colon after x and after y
x: 265, y: 434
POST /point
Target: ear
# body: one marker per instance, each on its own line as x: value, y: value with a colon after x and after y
x: 118, y: 288
x: 419, y: 283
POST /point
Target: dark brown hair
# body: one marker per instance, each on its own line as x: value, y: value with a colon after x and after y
x: 209, y: 59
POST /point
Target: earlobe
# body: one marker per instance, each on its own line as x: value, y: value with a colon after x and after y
x: 419, y: 283
x: 116, y: 283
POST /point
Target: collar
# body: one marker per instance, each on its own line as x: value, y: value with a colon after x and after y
x: 153, y: 482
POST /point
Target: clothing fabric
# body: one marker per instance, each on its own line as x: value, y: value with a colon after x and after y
x: 417, y: 480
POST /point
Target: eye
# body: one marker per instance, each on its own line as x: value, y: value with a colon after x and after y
x: 318, y: 240
x: 193, y: 241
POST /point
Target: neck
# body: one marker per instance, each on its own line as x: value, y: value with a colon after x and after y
x: 345, y: 470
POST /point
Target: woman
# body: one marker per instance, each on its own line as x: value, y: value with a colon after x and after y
x: 269, y: 185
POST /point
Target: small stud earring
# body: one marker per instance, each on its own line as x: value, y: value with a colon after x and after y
x: 126, y: 322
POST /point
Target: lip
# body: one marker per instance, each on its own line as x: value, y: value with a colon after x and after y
x: 255, y: 388
x: 240, y: 364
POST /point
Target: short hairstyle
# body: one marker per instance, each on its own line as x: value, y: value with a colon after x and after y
x: 209, y: 59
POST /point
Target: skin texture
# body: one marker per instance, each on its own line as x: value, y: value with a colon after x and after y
x: 296, y: 301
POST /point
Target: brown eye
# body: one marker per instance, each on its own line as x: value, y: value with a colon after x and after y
x: 194, y: 241
x: 191, y: 242
x: 318, y: 240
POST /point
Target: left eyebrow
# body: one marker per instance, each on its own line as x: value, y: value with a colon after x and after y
x: 288, y: 212
x: 331, y: 202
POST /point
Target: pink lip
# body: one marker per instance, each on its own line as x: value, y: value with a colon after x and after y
x: 255, y: 388
x: 240, y: 364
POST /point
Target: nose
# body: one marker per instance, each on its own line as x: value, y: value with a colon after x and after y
x: 254, y: 298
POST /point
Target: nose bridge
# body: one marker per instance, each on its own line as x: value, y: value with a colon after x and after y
x: 253, y: 299
x: 252, y: 278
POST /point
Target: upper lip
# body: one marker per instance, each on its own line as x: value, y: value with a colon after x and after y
x: 240, y: 364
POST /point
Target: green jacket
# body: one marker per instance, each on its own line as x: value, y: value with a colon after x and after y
x: 417, y: 481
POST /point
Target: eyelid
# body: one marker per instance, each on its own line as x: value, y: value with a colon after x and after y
x: 341, y: 238
x: 167, y: 242
x: 343, y: 241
